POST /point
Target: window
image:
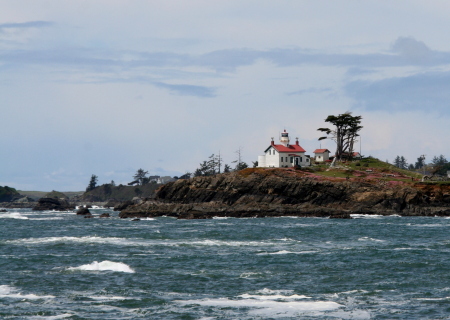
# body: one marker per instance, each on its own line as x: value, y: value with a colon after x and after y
x: 301, y: 160
x: 292, y: 159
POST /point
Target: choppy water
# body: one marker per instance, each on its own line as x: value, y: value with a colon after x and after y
x: 55, y: 265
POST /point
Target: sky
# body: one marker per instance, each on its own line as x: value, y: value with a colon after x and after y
x: 106, y: 87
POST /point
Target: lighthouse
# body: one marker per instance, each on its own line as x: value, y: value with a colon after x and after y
x: 284, y: 155
x: 284, y: 138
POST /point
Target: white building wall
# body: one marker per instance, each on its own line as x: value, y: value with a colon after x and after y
x: 272, y: 158
x: 261, y: 161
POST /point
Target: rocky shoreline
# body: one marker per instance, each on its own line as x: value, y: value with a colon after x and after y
x: 279, y: 192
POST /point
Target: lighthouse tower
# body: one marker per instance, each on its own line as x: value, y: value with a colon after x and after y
x: 284, y: 138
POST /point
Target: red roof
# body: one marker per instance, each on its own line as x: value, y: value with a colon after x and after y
x: 290, y: 148
x: 321, y: 150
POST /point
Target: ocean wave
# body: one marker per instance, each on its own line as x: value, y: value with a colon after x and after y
x: 12, y: 292
x: 370, y: 239
x: 267, y: 307
x: 13, y: 215
x: 365, y: 216
x: 89, y: 239
x: 104, y: 266
x: 60, y: 316
x: 286, y: 252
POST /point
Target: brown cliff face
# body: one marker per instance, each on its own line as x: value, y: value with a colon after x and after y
x: 280, y: 192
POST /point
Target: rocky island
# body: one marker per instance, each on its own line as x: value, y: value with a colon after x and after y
x: 265, y: 192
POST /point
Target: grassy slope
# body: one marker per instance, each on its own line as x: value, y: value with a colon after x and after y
x: 39, y: 194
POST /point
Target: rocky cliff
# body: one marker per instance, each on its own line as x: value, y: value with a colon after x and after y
x: 286, y: 192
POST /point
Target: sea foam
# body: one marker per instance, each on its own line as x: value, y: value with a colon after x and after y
x: 13, y: 215
x: 11, y: 292
x: 104, y: 266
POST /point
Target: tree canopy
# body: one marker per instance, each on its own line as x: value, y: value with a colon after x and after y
x: 92, y: 183
x: 344, y: 133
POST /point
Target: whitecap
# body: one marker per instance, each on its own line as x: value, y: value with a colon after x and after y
x: 433, y: 299
x: 60, y: 316
x: 365, y: 216
x: 267, y: 307
x: 273, y: 297
x: 370, y: 239
x: 104, y: 266
x: 13, y: 215
x: 109, y: 298
x: 286, y: 252
x: 11, y: 292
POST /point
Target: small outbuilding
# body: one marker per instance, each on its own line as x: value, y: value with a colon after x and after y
x: 321, y: 155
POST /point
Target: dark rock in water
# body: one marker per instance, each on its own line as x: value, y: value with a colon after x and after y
x: 3, y: 210
x: 88, y: 206
x: 83, y: 211
x: 123, y: 205
x: 341, y: 216
x: 111, y: 203
x: 135, y: 219
x: 104, y: 215
x: 53, y: 204
x: 88, y: 216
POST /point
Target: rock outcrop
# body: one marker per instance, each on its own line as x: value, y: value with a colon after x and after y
x: 53, y: 204
x: 280, y: 192
x: 84, y: 211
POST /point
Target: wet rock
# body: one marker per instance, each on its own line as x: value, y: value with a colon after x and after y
x: 53, y: 204
x: 270, y: 193
x: 104, y: 215
x: 83, y: 211
x: 123, y: 205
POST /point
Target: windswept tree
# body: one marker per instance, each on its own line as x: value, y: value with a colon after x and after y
x: 226, y: 168
x: 344, y: 133
x: 92, y: 183
x: 440, y: 165
x: 209, y: 167
x: 141, y: 177
x: 401, y: 162
x: 420, y: 162
x: 239, y: 163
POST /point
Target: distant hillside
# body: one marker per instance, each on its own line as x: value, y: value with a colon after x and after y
x: 36, y: 195
x: 120, y: 193
x: 7, y: 194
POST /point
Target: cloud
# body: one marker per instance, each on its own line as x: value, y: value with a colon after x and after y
x: 23, y: 25
x: 405, y: 52
x: 188, y: 90
x: 311, y: 90
x: 411, y: 49
x: 423, y: 91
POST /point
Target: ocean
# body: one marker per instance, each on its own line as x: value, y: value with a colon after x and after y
x: 56, y: 265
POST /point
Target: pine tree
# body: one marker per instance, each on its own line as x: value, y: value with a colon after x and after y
x: 92, y: 183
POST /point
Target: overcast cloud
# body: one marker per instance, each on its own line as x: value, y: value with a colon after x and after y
x: 107, y: 87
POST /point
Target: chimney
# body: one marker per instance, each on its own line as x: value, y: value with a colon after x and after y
x: 296, y: 141
x: 272, y: 143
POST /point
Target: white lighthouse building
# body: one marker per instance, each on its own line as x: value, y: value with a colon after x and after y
x: 284, y: 155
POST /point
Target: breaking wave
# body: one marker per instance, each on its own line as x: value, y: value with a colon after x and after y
x: 104, y: 266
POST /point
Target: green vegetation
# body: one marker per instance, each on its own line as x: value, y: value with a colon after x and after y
x: 7, y: 193
x: 36, y: 195
x: 56, y: 195
x: 107, y: 192
x: 92, y: 183
x: 344, y: 133
x: 348, y: 168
